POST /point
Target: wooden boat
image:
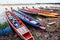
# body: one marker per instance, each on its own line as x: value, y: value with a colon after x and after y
x: 35, y: 10
x: 28, y: 11
x: 38, y: 12
x: 47, y: 15
x: 18, y: 26
x: 43, y: 13
x: 28, y: 19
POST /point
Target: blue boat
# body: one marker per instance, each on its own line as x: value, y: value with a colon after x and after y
x: 28, y: 19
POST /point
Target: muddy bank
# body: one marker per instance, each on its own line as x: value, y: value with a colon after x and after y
x: 52, y: 33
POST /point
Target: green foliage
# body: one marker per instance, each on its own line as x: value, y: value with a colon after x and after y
x: 4, y: 25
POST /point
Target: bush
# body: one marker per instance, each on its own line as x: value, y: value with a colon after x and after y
x: 4, y: 25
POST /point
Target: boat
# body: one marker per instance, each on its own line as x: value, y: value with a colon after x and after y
x: 35, y: 10
x: 28, y: 11
x: 18, y: 26
x: 28, y: 19
x: 43, y: 13
x: 48, y: 15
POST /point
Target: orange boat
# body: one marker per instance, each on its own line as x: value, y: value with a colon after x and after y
x: 18, y: 26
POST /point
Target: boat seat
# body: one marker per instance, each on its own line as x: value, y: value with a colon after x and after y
x: 30, y: 11
x: 29, y: 18
x: 15, y: 22
x: 38, y: 24
x: 17, y: 25
x: 11, y: 18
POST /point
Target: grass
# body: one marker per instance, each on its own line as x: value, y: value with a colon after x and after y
x: 4, y: 25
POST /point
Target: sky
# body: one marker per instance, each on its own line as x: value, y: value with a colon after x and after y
x: 28, y: 1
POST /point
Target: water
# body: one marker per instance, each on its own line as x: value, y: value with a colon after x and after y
x: 5, y: 31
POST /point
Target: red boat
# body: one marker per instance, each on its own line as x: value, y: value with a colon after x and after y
x: 18, y: 26
x: 41, y: 12
x: 28, y: 11
x: 31, y: 11
x: 35, y: 10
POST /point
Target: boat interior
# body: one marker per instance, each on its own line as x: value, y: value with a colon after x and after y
x: 23, y: 30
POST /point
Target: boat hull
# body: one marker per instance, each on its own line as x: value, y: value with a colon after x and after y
x: 22, y: 31
x: 41, y: 12
x: 26, y: 21
x: 47, y: 15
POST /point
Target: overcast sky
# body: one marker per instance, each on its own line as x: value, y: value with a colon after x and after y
x: 27, y: 1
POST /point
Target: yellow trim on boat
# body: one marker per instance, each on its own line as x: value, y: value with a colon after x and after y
x: 47, y: 15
